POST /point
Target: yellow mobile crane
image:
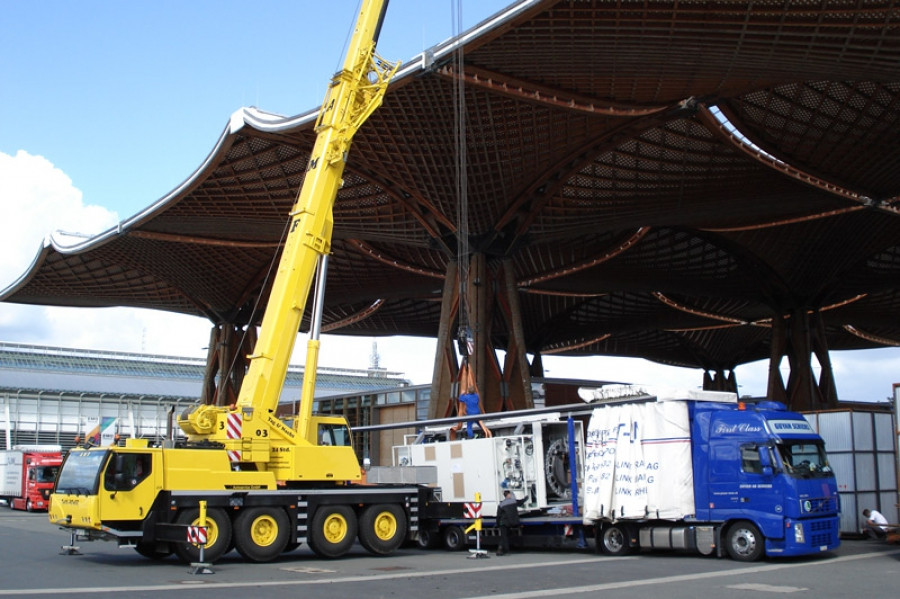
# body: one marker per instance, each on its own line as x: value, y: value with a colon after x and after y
x: 260, y: 484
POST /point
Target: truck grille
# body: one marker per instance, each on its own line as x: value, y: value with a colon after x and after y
x: 822, y: 532
x: 819, y: 505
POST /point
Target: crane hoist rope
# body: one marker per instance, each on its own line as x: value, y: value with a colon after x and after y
x: 462, y: 199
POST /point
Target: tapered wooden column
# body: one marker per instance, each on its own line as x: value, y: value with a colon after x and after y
x: 516, y: 370
x: 491, y: 298
x: 776, y: 389
x: 446, y: 365
x: 800, y: 337
x: 720, y: 381
x: 226, y: 363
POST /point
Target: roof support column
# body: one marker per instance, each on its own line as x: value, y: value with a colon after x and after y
x: 799, y: 339
x: 226, y: 363
x: 720, y: 381
x: 516, y: 370
x: 446, y: 368
x: 491, y: 298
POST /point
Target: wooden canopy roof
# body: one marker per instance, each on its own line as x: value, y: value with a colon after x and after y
x: 664, y: 178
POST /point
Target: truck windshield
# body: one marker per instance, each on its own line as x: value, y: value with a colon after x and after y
x: 804, y: 459
x: 45, y: 474
x: 80, y: 474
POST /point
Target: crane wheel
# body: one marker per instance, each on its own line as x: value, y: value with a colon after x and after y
x: 154, y: 551
x: 218, y: 535
x: 382, y: 528
x: 333, y: 530
x: 261, y: 533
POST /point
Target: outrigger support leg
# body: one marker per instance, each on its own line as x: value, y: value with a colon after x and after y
x: 71, y: 548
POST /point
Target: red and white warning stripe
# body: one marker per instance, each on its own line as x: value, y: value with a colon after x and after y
x: 196, y: 535
x: 234, y: 425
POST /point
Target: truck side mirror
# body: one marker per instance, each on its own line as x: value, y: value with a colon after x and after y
x: 765, y: 460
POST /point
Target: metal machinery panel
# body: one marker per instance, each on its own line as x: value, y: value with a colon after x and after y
x: 531, y: 459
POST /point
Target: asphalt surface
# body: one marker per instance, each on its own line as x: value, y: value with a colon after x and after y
x: 31, y: 565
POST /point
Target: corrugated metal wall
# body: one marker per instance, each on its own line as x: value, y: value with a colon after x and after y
x: 34, y: 417
x: 861, y: 447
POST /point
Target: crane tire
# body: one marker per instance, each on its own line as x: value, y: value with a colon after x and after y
x: 333, y: 531
x: 154, y: 551
x: 382, y: 528
x: 261, y: 533
x: 218, y: 535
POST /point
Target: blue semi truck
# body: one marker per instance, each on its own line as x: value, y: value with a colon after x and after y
x: 700, y: 472
x: 746, y: 479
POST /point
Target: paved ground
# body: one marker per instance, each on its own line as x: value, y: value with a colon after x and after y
x: 31, y: 566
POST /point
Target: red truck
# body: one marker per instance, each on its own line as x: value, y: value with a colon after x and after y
x: 27, y: 474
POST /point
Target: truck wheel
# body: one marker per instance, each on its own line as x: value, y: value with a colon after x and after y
x: 218, y: 535
x: 333, y: 530
x: 744, y: 542
x: 427, y: 539
x: 614, y: 540
x: 382, y: 528
x: 454, y: 538
x: 28, y: 506
x: 261, y: 533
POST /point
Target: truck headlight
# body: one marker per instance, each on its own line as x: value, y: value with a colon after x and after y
x: 799, y: 537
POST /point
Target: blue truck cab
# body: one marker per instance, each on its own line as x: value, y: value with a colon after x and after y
x: 763, y: 472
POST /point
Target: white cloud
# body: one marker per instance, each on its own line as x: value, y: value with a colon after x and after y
x: 38, y: 199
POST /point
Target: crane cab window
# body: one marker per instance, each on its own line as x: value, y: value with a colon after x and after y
x: 334, y: 434
x: 126, y: 471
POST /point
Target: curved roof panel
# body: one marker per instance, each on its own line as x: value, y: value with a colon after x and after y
x: 664, y: 179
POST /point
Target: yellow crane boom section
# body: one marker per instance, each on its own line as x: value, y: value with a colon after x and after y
x: 354, y: 93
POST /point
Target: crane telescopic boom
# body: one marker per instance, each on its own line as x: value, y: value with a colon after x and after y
x: 354, y: 93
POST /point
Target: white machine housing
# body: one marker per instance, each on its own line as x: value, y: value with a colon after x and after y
x: 529, y: 456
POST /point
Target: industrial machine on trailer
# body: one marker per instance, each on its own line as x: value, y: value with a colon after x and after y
x: 701, y: 473
x: 530, y: 453
x: 259, y: 483
x: 27, y: 474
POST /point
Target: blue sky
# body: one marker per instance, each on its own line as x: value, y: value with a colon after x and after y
x: 106, y: 106
x: 127, y: 98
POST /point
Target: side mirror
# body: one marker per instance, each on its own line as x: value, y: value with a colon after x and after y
x: 765, y: 459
